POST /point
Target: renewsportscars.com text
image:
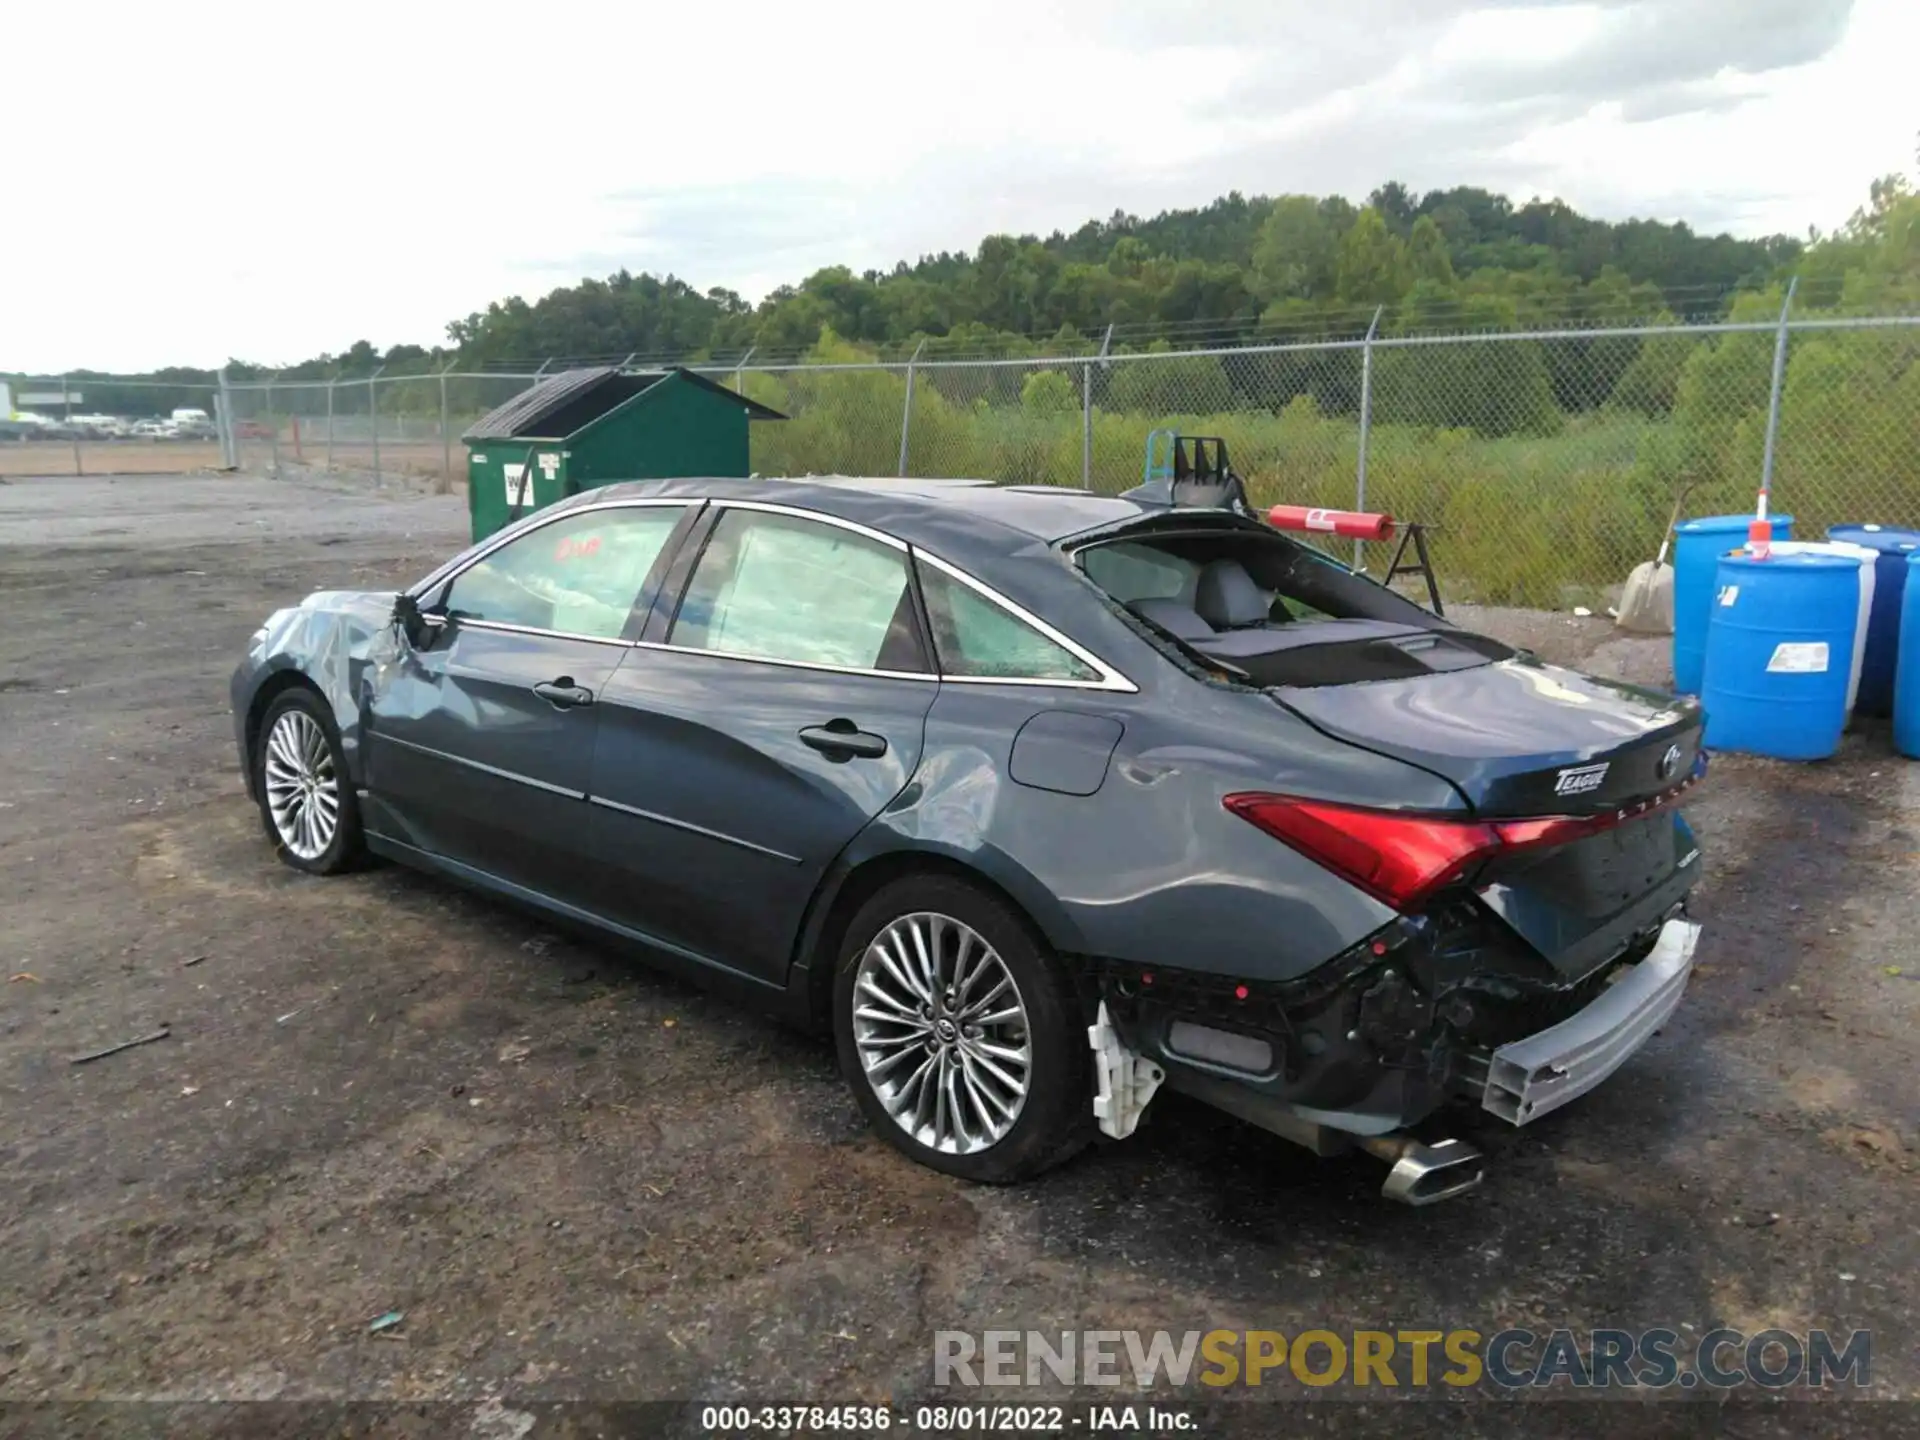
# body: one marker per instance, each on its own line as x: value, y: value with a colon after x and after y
x: 1511, y: 1359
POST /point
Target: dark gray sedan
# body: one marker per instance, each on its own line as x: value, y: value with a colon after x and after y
x: 1034, y: 799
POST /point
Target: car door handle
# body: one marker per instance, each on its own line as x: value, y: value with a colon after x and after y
x: 563, y: 694
x: 839, y: 740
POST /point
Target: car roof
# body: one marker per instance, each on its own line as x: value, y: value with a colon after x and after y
x: 920, y: 511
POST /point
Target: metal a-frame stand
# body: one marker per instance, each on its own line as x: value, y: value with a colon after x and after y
x: 1415, y: 534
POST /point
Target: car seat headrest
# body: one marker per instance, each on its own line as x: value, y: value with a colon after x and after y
x: 1226, y: 597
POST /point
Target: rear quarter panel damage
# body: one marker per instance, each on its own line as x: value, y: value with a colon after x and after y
x: 1148, y: 867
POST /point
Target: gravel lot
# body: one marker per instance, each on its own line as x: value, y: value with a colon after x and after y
x: 581, y: 1181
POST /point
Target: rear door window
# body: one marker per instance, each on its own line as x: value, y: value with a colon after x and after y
x: 781, y: 587
x: 578, y: 576
x: 976, y: 637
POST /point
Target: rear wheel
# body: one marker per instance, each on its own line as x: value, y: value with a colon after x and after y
x: 306, y: 801
x: 959, y: 1033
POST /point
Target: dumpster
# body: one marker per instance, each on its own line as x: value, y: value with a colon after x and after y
x: 585, y: 428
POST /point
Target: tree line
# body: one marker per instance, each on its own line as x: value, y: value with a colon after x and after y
x: 1236, y: 270
x: 1234, y: 265
x: 1550, y: 465
x: 1223, y: 272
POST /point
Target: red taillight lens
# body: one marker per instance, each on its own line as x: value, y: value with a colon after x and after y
x: 1395, y: 857
x: 1551, y: 830
x: 1403, y: 858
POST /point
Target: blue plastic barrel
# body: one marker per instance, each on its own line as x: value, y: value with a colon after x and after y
x: 1883, y: 628
x: 1779, y: 654
x: 1865, y: 559
x: 1906, y: 676
x: 1697, y: 548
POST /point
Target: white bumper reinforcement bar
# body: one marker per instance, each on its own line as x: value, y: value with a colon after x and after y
x: 1532, y: 1077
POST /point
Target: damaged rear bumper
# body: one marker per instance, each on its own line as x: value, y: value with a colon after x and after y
x: 1405, y: 1024
x: 1528, y: 1078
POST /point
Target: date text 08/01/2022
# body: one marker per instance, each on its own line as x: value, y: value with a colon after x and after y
x: 938, y: 1419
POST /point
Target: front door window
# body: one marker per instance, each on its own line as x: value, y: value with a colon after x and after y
x: 578, y: 576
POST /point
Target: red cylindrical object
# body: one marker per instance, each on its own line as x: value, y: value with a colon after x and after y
x: 1355, y: 524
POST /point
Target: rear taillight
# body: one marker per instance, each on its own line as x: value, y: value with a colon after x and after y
x: 1551, y: 830
x: 1396, y: 857
x: 1402, y: 858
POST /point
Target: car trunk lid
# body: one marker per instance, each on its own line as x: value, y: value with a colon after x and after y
x: 1525, y: 741
x: 1517, y: 737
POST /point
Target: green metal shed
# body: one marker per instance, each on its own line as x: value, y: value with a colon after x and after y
x: 585, y: 428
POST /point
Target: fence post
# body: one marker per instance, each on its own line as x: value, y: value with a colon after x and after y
x: 273, y: 424
x: 446, y: 436
x: 373, y: 416
x: 1773, y: 398
x: 66, y: 415
x: 906, y: 415
x: 1366, y: 429
x: 1086, y: 425
x: 739, y: 371
x: 1086, y: 413
x: 229, y: 446
x: 330, y: 385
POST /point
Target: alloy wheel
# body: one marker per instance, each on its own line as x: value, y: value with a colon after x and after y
x: 942, y: 1034
x: 303, y: 788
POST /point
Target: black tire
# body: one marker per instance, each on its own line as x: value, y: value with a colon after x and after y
x: 1055, y: 1119
x: 347, y: 848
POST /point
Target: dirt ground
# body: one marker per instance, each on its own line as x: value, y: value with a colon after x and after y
x: 414, y: 459
x: 418, y: 460
x: 107, y: 457
x: 579, y: 1180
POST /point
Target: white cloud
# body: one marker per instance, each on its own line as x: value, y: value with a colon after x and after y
x: 269, y: 183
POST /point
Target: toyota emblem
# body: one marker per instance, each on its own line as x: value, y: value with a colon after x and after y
x: 1670, y: 763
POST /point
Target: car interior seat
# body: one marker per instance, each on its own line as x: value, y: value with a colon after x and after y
x: 1226, y: 597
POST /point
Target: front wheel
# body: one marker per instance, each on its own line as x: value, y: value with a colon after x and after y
x: 306, y: 800
x: 959, y: 1033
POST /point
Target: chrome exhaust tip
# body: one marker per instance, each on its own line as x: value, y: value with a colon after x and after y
x: 1423, y: 1174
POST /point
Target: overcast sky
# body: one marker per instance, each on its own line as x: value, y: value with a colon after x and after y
x: 267, y: 182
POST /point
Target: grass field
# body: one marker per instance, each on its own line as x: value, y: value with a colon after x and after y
x: 1550, y: 520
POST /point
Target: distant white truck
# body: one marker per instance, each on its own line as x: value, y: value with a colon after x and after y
x: 100, y: 427
x: 191, y: 424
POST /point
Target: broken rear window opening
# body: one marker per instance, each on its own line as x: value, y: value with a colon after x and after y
x: 1273, y: 611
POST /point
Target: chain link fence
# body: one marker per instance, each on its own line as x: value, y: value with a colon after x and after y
x: 403, y: 428
x: 106, y: 425
x: 1547, y: 461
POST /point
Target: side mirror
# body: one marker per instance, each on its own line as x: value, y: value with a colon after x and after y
x: 421, y: 627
